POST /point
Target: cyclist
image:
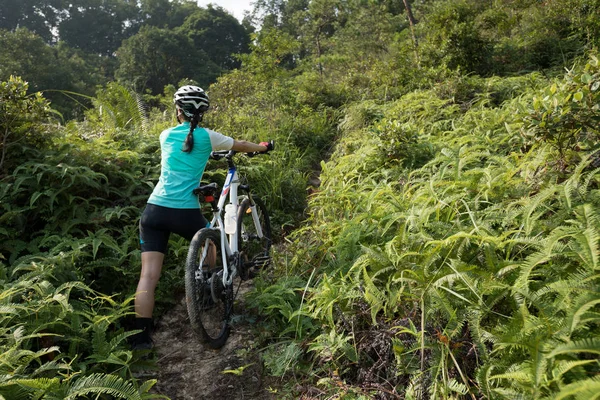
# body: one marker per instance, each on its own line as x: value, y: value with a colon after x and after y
x: 172, y: 207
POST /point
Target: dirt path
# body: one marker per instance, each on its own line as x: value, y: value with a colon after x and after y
x: 189, y: 371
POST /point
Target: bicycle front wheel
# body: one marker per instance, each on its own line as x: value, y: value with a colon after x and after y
x: 209, y: 302
x: 254, y: 236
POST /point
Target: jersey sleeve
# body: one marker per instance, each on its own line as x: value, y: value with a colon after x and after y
x: 219, y: 141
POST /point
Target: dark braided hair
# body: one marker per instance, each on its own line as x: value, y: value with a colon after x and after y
x: 191, y: 102
x: 188, y: 145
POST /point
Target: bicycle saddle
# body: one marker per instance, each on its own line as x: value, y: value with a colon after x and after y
x: 207, y: 190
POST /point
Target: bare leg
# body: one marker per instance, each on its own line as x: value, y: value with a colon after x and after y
x: 211, y: 256
x: 152, y: 262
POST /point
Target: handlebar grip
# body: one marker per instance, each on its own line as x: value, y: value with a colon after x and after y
x: 270, y: 145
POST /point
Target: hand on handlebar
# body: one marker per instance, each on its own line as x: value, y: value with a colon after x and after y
x: 217, y: 155
x: 270, y: 145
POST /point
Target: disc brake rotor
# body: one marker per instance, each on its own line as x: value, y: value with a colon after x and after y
x: 216, y: 286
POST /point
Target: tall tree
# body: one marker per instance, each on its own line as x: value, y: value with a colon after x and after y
x: 219, y: 34
x: 412, y: 21
x: 39, y: 16
x: 166, y: 13
x: 98, y: 26
x: 155, y: 57
x: 281, y: 14
x: 27, y: 55
x: 48, y: 68
x: 451, y: 37
x: 155, y: 12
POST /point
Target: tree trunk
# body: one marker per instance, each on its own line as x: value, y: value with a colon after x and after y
x: 319, y: 52
x: 411, y: 18
x: 412, y: 21
x: 4, y: 144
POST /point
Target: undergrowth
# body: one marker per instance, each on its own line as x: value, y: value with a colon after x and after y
x: 452, y: 250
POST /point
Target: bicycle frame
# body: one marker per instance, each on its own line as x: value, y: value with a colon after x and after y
x: 229, y: 245
x: 229, y: 242
x: 241, y: 223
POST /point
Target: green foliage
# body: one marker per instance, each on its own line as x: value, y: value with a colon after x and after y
x: 450, y: 250
x: 268, y: 53
x: 18, y: 46
x: 155, y: 57
x: 478, y: 261
x: 62, y: 341
x: 219, y: 34
x: 75, y: 46
x: 69, y: 233
x: 95, y: 26
x: 567, y: 113
x: 454, y: 38
x: 21, y: 118
x: 56, y: 70
x: 118, y: 109
x: 505, y: 37
x: 258, y: 105
x: 36, y: 16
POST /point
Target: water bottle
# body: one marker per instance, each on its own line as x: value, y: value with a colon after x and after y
x: 230, y: 218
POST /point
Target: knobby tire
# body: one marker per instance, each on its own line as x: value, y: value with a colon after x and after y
x: 209, y: 304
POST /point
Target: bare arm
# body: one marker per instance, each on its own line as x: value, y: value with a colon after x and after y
x: 244, y: 146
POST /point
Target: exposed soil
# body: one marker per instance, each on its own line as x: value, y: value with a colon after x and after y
x: 189, y: 371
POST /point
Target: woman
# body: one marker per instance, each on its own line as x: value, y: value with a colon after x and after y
x: 172, y: 207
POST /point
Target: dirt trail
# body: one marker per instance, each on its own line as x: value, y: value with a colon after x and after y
x: 189, y: 371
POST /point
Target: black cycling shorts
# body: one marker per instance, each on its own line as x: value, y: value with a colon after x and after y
x: 158, y: 222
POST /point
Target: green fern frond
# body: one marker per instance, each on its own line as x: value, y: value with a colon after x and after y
x: 587, y: 345
x: 120, y: 339
x: 561, y: 367
x: 507, y: 393
x: 584, y: 304
x: 526, y: 268
x: 50, y: 368
x: 454, y: 386
x: 586, y: 389
x: 147, y: 385
x: 522, y: 376
x: 375, y: 297
x: 38, y: 384
x: 99, y: 343
x: 588, y: 240
x: 103, y: 384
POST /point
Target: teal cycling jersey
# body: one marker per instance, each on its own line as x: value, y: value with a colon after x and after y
x: 180, y: 171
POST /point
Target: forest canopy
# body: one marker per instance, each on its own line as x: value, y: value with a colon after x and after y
x: 77, y: 46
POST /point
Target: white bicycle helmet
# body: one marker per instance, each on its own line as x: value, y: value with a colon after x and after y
x: 192, y: 100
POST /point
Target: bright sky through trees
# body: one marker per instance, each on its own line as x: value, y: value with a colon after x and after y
x: 236, y: 7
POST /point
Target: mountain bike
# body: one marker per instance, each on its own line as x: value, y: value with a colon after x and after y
x: 235, y: 244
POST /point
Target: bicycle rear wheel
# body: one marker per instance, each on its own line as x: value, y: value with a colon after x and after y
x: 209, y: 302
x: 254, y: 239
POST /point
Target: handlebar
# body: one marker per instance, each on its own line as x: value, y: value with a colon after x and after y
x: 228, y: 154
x: 217, y: 155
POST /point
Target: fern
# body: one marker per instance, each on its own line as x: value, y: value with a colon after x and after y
x: 103, y: 384
x: 589, y: 345
x: 585, y: 389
